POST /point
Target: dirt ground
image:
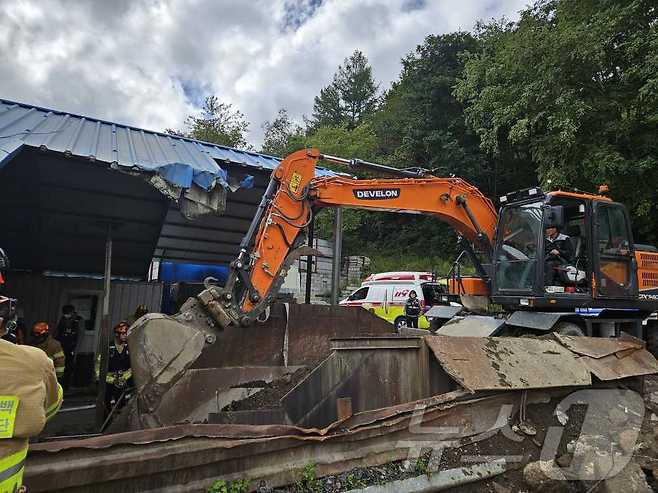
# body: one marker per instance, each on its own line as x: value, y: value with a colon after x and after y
x: 270, y: 395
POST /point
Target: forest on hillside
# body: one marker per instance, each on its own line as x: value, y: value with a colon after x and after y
x: 567, y: 96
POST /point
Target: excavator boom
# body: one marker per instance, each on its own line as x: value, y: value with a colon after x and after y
x: 275, y: 238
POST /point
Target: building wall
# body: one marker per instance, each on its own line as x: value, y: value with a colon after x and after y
x: 352, y: 272
x: 321, y: 272
x: 40, y: 298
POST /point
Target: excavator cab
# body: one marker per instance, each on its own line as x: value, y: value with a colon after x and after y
x: 595, y: 267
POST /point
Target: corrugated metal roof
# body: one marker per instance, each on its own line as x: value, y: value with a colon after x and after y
x: 115, y: 144
x: 56, y: 207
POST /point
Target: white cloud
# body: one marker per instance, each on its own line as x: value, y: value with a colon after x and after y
x: 148, y: 62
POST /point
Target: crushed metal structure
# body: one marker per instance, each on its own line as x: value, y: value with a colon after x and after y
x: 398, y: 387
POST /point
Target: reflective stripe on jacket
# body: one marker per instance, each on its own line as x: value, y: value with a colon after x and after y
x: 54, y: 350
x: 118, y: 365
x: 28, y: 378
x: 11, y: 471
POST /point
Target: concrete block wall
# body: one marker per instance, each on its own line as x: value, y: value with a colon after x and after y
x: 352, y: 272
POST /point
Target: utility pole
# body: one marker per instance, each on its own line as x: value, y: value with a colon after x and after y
x: 338, y: 246
x: 104, y: 331
x: 309, y: 261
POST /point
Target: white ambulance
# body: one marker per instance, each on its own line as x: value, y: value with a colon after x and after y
x: 386, y: 293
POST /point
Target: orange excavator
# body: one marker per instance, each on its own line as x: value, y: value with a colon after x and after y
x: 608, y: 284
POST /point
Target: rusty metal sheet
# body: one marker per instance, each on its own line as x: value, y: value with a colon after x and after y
x: 165, y: 434
x: 597, y: 347
x: 505, y: 363
x: 621, y: 365
x: 443, y: 311
x: 194, y: 462
x: 471, y: 326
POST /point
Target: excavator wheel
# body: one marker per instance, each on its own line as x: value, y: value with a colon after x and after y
x: 568, y: 329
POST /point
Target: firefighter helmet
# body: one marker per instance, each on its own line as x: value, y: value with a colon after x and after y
x: 40, y: 329
x: 121, y: 328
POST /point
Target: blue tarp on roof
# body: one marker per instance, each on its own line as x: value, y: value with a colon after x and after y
x: 177, y: 159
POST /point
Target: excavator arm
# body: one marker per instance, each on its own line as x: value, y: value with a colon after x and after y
x: 276, y: 235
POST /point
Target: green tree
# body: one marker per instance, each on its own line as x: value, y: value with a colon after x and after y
x: 281, y: 135
x: 573, y: 85
x: 422, y: 123
x: 361, y: 143
x: 350, y: 98
x: 327, y: 107
x: 218, y: 123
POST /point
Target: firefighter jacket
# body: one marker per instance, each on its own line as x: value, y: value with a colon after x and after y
x: 118, y: 365
x: 54, y: 350
x: 29, y: 396
x: 67, y: 331
x: 412, y: 307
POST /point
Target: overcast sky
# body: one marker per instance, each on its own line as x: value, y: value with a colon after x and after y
x: 149, y: 63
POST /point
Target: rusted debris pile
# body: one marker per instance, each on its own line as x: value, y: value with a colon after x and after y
x: 409, y: 397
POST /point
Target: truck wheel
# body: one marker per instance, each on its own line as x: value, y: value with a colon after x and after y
x: 568, y: 329
x: 399, y: 323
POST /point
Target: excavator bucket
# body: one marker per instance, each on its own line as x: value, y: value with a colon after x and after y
x: 186, y: 367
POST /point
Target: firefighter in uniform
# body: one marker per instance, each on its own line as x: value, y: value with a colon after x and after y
x: 29, y: 396
x: 119, y: 375
x: 67, y: 333
x: 42, y: 339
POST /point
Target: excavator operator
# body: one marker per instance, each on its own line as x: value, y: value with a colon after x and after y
x: 558, y: 251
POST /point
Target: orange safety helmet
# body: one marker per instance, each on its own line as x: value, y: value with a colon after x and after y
x: 40, y: 328
x: 121, y: 328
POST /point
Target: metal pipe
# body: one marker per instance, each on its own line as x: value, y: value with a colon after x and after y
x: 104, y: 332
x: 335, y: 266
x: 255, y: 222
x: 309, y: 262
x: 381, y: 168
x: 482, y: 237
x: 76, y: 408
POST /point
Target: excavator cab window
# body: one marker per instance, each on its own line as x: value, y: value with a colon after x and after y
x: 616, y: 273
x: 569, y: 272
x: 518, y: 244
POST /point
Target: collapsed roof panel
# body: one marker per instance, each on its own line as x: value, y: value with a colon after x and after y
x: 506, y: 363
x: 497, y: 363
